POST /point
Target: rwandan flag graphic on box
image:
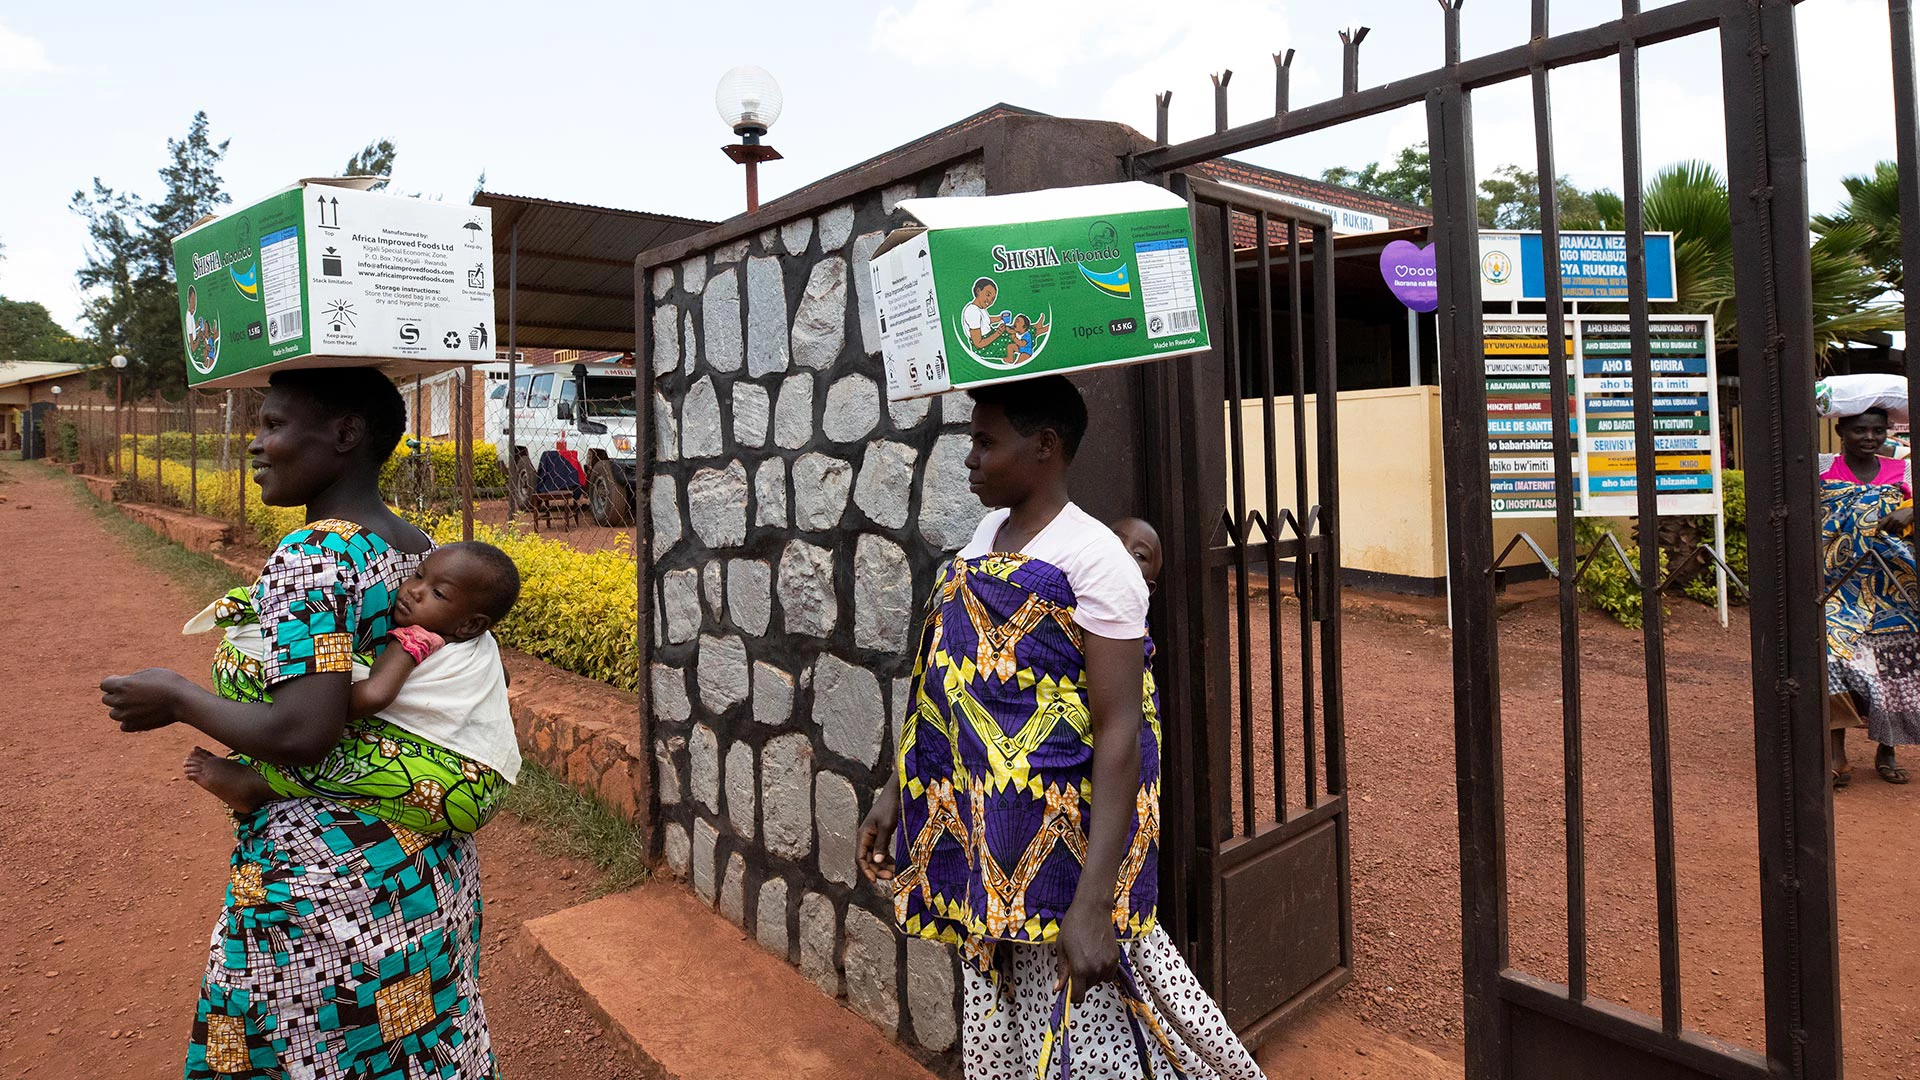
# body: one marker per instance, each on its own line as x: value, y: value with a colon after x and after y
x: 1006, y: 287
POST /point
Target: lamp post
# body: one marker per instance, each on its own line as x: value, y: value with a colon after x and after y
x: 119, y: 392
x: 749, y: 102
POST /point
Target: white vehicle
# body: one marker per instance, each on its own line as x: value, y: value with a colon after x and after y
x: 591, y: 408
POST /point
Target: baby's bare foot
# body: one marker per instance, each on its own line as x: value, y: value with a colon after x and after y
x: 236, y: 784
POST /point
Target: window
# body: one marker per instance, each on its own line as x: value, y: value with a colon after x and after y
x: 542, y: 393
x: 567, y: 391
x: 520, y: 391
x: 498, y: 391
x: 610, y: 395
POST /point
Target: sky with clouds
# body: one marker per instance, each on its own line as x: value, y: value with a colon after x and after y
x: 612, y: 104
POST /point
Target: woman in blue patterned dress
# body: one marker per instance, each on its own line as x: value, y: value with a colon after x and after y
x: 347, y: 947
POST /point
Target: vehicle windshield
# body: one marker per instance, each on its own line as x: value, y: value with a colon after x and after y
x: 609, y: 395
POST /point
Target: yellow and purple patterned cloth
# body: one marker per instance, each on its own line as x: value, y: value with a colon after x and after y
x: 996, y: 766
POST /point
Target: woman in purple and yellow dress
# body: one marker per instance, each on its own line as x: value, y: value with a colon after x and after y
x: 1023, y: 816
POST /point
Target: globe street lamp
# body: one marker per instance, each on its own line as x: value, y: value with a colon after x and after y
x: 749, y: 102
x: 119, y: 418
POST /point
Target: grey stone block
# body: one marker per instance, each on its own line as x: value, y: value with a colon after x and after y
x: 751, y: 413
x: 730, y: 253
x: 968, y: 177
x: 847, y: 709
x: 853, y: 409
x: 820, y: 487
x: 700, y: 435
x: 891, y: 198
x: 721, y: 672
x: 882, y: 595
x: 793, y: 413
x: 884, y: 489
x: 770, y: 916
x: 770, y: 493
x: 766, y: 318
x: 733, y: 891
x: 795, y: 234
x: 689, y: 344
x: 712, y: 587
x: 662, y: 281
x: 836, y: 817
x: 679, y: 850
x: 863, y: 250
x: 680, y: 603
x: 666, y: 430
x: 872, y: 969
x: 820, y: 326
x: 956, y: 407
x: 786, y: 796
x: 772, y: 695
x: 936, y: 1021
x: 808, y: 604
x: 909, y: 414
x: 703, y: 767
x: 835, y: 226
x: 670, y: 695
x: 741, y: 788
x: 750, y: 595
x: 705, y: 840
x: 819, y: 934
x: 717, y: 505
x: 665, y: 498
x: 693, y: 275
x: 949, y: 512
x: 666, y: 338
x: 720, y: 321
x: 668, y: 773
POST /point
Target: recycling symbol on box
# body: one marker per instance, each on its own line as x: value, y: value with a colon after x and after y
x: 451, y: 341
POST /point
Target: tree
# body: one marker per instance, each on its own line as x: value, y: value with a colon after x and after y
x: 376, y: 159
x: 28, y: 333
x: 133, y: 304
x: 1690, y: 200
x: 1873, y: 205
x: 1409, y: 180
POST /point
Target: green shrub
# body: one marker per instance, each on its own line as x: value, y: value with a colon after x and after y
x: 443, y: 456
x: 1608, y: 584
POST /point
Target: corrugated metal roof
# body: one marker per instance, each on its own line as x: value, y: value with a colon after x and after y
x: 576, y: 268
x: 15, y: 372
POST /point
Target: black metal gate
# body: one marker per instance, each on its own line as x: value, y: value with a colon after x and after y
x: 1256, y: 841
x: 1237, y: 860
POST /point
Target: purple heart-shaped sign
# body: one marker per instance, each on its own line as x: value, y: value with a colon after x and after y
x: 1411, y: 272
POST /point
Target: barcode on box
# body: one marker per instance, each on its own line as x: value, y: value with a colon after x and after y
x: 1183, y: 320
x: 283, y: 326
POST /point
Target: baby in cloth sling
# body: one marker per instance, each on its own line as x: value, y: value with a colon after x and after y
x: 436, y: 750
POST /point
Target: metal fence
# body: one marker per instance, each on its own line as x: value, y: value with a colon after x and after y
x: 190, y: 454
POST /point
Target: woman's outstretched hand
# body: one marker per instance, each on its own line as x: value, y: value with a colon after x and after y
x: 144, y: 700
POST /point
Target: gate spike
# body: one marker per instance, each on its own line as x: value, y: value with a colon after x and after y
x: 1282, y: 78
x: 1220, y: 82
x: 1350, y: 44
x: 1162, y: 104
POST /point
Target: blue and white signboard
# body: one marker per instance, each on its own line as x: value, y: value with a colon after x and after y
x: 1593, y: 266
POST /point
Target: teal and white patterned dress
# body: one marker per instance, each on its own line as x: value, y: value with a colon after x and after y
x: 348, y: 948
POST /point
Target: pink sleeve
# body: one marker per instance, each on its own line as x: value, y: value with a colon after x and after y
x: 419, y: 642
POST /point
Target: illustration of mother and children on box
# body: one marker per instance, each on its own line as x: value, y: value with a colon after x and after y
x: 990, y: 333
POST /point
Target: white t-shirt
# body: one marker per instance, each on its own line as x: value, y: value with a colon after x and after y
x: 1110, y: 596
x: 977, y: 319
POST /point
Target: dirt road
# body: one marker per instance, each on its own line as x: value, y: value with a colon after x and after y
x: 114, y: 864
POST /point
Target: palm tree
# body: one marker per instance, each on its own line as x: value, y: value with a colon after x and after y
x: 1873, y: 202
x: 1690, y: 200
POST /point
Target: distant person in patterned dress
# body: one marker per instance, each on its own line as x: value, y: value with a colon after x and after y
x: 1021, y: 824
x: 348, y: 947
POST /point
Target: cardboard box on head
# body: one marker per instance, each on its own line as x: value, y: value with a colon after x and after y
x: 327, y: 274
x: 1005, y: 287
